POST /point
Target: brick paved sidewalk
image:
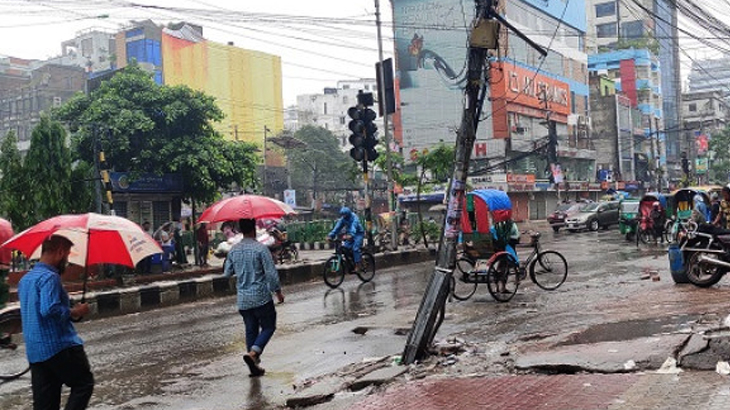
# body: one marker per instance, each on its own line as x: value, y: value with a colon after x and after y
x: 626, y: 391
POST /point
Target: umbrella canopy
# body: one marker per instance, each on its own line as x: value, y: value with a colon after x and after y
x: 6, y: 232
x: 97, y: 239
x: 245, y: 207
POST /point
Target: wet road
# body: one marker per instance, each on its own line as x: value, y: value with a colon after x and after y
x: 189, y: 356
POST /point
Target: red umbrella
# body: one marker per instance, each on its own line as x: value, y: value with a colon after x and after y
x: 245, y: 207
x: 6, y: 232
x: 97, y: 239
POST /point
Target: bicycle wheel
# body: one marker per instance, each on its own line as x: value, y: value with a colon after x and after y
x: 367, y: 271
x: 669, y: 235
x: 549, y: 270
x: 13, y: 361
x: 503, y: 278
x: 463, y: 281
x: 334, y: 272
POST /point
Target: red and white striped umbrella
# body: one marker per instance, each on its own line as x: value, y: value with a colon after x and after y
x: 96, y: 238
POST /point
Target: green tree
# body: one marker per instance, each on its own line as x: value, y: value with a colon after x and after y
x: 13, y: 190
x: 438, y: 164
x: 48, y: 169
x: 144, y: 127
x: 321, y: 166
x: 720, y: 168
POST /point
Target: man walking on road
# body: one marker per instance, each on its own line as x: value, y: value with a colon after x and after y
x: 257, y: 279
x: 54, y: 349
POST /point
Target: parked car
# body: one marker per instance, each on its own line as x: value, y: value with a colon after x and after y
x: 561, y: 213
x: 594, y: 216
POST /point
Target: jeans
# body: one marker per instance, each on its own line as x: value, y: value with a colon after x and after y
x: 260, y: 325
x: 69, y: 367
x: 355, y: 244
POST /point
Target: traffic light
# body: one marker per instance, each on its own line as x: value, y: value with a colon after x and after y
x: 685, y: 163
x: 363, y: 138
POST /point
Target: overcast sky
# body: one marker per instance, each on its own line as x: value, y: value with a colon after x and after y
x: 320, y: 41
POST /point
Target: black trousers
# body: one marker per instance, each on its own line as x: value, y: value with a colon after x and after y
x: 69, y: 367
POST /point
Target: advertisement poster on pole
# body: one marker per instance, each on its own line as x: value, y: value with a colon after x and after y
x: 290, y: 197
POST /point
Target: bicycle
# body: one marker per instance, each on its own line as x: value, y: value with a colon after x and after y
x: 502, y: 273
x: 343, y: 262
x: 13, y: 361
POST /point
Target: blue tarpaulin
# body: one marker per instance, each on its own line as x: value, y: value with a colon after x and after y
x: 495, y: 199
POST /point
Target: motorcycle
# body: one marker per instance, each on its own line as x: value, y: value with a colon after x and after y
x: 707, y: 252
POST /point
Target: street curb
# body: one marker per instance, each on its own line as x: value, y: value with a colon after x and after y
x: 148, y: 296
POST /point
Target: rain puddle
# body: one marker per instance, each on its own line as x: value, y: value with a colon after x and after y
x: 630, y: 329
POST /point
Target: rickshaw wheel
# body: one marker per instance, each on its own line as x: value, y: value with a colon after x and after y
x: 464, y: 279
x: 503, y: 278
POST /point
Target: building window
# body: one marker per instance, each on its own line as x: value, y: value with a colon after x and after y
x: 346, y: 86
x: 632, y: 29
x: 367, y: 87
x: 325, y: 108
x: 606, y: 9
x: 342, y: 120
x: 345, y: 100
x: 693, y: 107
x: 606, y: 30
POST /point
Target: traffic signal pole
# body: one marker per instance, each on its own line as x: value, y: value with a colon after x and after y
x: 386, y: 132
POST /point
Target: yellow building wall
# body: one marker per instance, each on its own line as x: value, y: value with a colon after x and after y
x: 246, y: 84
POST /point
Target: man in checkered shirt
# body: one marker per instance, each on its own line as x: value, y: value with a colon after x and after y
x: 55, y: 352
x: 256, y: 280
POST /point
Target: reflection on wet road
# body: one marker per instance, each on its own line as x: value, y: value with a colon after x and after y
x: 189, y: 356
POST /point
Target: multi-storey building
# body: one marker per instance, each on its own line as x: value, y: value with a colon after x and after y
x: 27, y: 95
x: 706, y: 114
x: 710, y: 75
x: 431, y: 65
x: 93, y: 49
x: 649, y: 25
x: 617, y: 136
x: 329, y: 109
x: 637, y: 75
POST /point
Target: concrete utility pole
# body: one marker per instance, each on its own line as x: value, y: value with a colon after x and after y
x: 484, y: 36
x: 386, y: 133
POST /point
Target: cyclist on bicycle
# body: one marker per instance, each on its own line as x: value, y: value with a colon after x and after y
x: 354, y: 234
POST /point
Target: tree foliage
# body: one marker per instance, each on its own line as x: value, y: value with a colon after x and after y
x: 144, y: 127
x: 321, y: 165
x: 720, y: 168
x: 13, y: 183
x: 47, y: 167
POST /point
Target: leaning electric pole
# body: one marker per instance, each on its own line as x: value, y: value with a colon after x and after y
x: 484, y: 36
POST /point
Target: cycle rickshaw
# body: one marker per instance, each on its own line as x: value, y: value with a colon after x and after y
x: 488, y: 256
x: 645, y: 225
x: 683, y: 200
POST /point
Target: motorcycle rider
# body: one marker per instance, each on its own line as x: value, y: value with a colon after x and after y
x: 354, y: 234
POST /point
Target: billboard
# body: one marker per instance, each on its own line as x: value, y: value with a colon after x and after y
x: 431, y: 56
x: 245, y: 83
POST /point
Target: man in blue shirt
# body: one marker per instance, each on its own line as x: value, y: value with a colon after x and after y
x: 354, y: 233
x: 54, y: 349
x: 256, y: 280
